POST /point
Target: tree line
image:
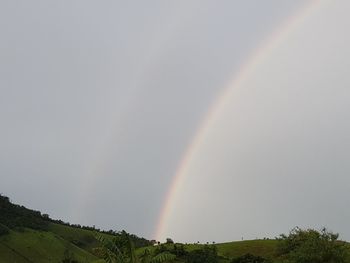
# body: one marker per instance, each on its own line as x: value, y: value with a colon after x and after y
x: 17, y: 217
x: 298, y: 246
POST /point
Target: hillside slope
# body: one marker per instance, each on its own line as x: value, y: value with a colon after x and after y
x: 28, y: 236
x: 263, y: 248
x: 38, y: 246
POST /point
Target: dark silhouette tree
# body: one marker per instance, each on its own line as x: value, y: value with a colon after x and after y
x: 169, y: 241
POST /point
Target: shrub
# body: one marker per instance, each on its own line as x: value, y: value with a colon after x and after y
x: 206, y: 255
x: 249, y: 258
x: 3, y: 230
x: 305, y: 246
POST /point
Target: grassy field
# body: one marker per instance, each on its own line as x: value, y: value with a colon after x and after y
x: 82, y: 238
x: 31, y: 246
x: 264, y: 248
x: 229, y: 250
x: 37, y: 246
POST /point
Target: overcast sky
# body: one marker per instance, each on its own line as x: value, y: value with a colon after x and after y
x: 99, y: 101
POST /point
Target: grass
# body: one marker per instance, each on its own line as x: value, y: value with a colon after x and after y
x: 264, y: 248
x: 31, y: 246
x: 39, y: 247
x: 82, y: 238
x: 229, y: 250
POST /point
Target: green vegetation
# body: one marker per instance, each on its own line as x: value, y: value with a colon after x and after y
x: 250, y: 258
x: 4, y: 230
x: 16, y: 217
x: 38, y: 246
x: 121, y: 249
x: 27, y: 236
x: 304, y: 246
x: 81, y: 238
x: 263, y: 248
x: 207, y: 254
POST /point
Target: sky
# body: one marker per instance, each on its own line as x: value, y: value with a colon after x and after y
x: 101, y: 101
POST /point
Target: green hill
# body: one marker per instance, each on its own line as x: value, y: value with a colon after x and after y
x: 27, y: 236
x: 39, y: 246
x: 229, y: 250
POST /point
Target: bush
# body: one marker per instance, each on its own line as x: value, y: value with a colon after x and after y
x: 249, y: 258
x: 169, y: 241
x: 206, y: 255
x: 3, y: 230
x: 305, y: 246
x: 17, y: 217
x: 68, y: 257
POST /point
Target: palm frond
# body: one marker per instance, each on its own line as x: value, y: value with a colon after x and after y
x: 163, y: 257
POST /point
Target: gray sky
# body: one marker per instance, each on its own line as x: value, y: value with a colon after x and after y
x: 100, y: 99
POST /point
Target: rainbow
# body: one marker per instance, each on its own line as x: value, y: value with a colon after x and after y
x: 257, y: 56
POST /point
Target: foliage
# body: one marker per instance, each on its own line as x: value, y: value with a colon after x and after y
x: 176, y: 249
x: 146, y: 257
x: 208, y: 254
x: 311, y: 246
x: 4, y: 230
x: 122, y: 249
x: 39, y: 247
x: 138, y: 241
x: 18, y: 217
x: 110, y: 251
x: 68, y: 257
x: 249, y: 258
x: 30, y: 244
x: 179, y: 250
x: 162, y: 257
x: 169, y: 241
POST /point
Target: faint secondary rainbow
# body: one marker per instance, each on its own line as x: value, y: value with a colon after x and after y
x: 257, y: 56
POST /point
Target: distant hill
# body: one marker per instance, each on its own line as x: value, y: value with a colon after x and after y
x: 29, y: 236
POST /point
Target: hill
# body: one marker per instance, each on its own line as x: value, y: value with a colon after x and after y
x: 39, y: 246
x: 225, y: 251
x: 27, y: 236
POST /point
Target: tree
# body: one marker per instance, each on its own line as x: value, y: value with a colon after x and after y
x: 121, y: 249
x: 169, y: 241
x: 249, y: 258
x: 4, y: 230
x: 208, y: 254
x: 166, y: 256
x: 311, y: 246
